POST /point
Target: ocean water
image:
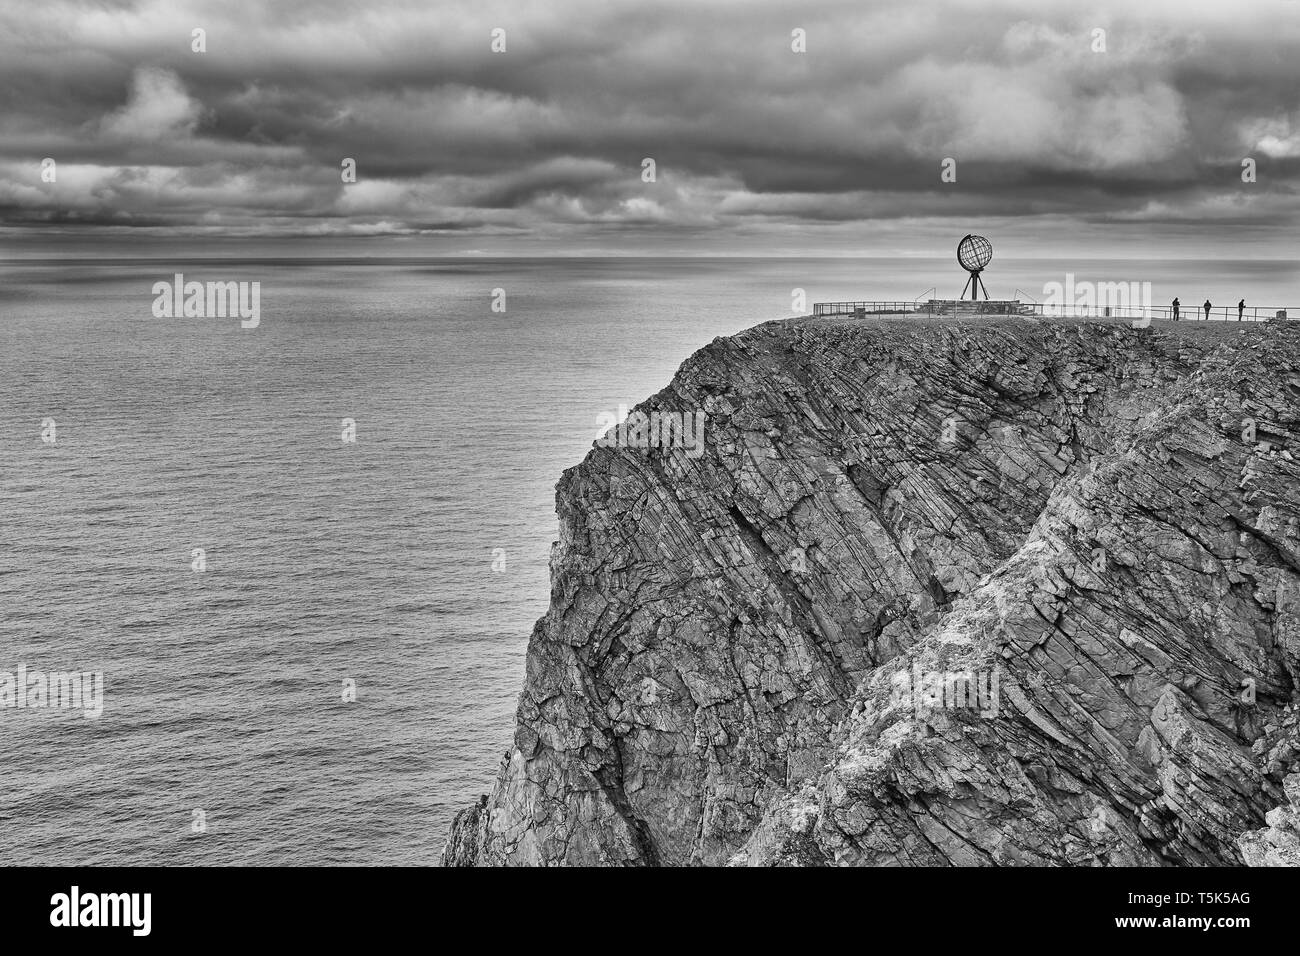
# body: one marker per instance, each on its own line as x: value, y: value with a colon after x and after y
x: 412, y: 562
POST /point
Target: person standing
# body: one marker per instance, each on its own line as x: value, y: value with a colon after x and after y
x: 1207, y: 310
x: 1175, y: 308
x: 1241, y: 309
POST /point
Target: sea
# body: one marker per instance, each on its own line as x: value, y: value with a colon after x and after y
x: 305, y: 558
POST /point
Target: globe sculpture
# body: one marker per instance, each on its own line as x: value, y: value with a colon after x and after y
x: 974, y: 253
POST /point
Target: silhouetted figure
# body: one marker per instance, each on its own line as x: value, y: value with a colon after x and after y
x: 1241, y: 309
x: 1175, y: 308
x: 1207, y: 310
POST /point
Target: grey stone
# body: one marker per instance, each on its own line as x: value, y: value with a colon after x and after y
x: 777, y: 733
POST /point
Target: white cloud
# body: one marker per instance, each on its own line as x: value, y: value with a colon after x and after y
x: 157, y: 108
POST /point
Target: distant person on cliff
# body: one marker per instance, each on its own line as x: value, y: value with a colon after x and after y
x: 1175, y: 308
x: 1207, y: 310
x: 1241, y: 309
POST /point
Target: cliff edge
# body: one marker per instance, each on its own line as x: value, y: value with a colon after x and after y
x: 990, y: 592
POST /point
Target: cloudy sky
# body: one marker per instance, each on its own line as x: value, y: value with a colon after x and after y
x: 538, y: 150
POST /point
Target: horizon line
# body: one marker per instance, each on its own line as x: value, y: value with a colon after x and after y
x: 613, y: 256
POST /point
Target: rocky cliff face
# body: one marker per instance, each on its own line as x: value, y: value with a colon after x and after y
x: 998, y: 592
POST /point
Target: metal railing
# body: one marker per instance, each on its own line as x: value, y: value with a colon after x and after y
x: 875, y: 308
x: 1016, y: 307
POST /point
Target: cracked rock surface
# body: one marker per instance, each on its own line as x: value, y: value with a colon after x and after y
x: 770, y: 654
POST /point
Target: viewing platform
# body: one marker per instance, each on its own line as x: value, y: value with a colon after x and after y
x: 957, y: 307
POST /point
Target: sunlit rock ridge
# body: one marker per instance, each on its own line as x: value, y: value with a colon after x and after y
x: 1104, y: 520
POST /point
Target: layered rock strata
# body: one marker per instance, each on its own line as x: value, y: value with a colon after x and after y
x: 990, y: 592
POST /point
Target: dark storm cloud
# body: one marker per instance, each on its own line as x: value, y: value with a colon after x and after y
x: 547, y: 139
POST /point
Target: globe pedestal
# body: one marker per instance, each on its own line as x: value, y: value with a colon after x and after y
x: 975, y: 283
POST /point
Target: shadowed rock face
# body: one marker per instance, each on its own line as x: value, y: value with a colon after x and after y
x: 1099, y: 524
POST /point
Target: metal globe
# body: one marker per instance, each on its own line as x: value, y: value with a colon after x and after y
x: 974, y: 253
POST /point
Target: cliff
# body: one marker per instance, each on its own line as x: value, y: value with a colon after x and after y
x: 989, y: 592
